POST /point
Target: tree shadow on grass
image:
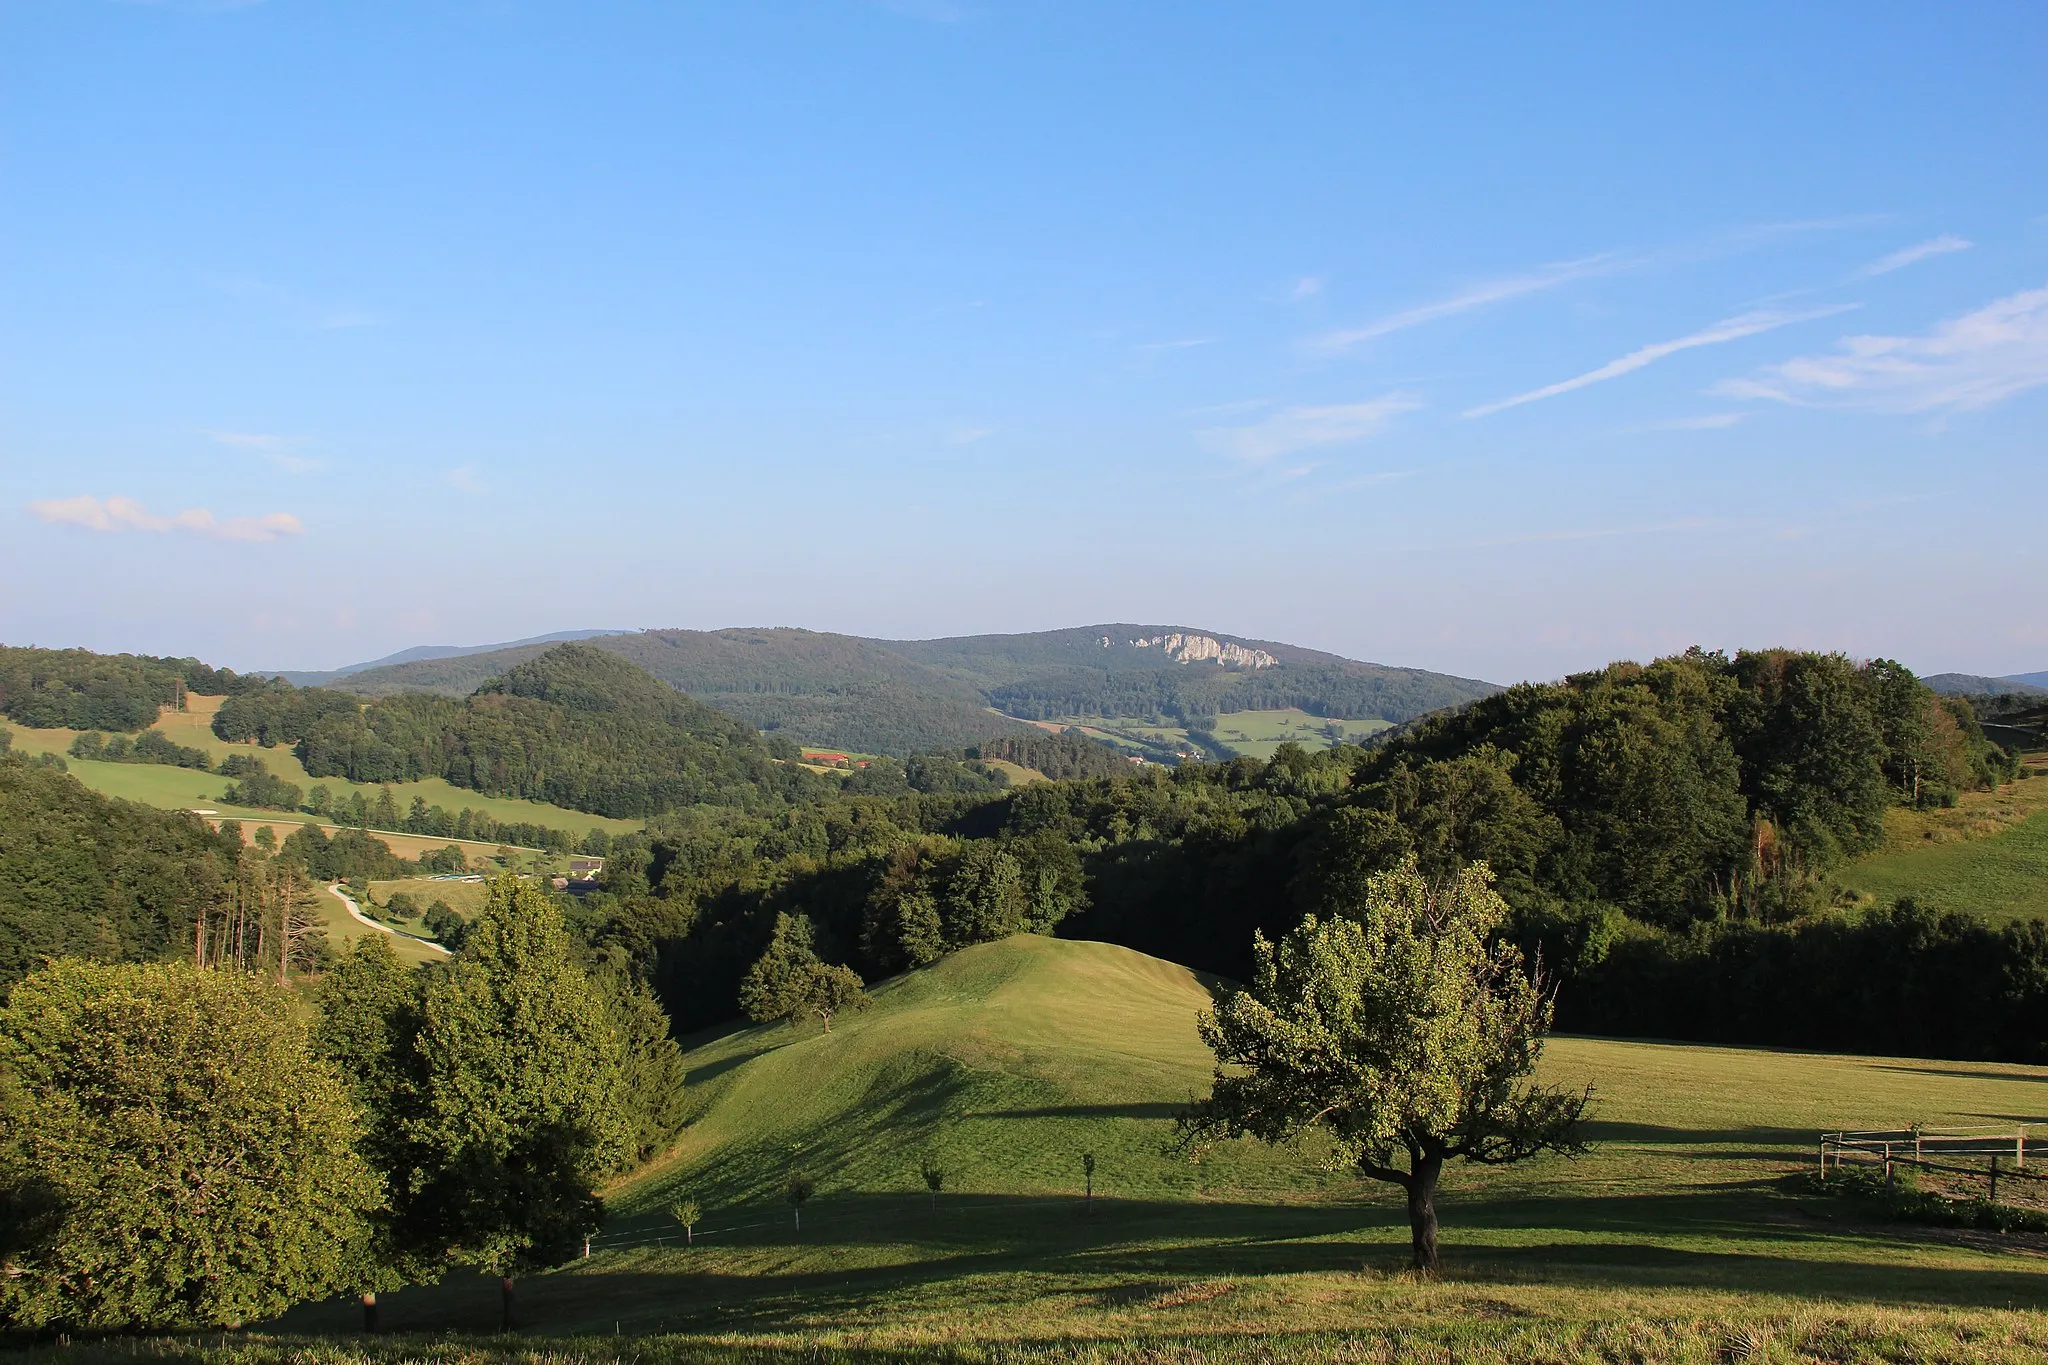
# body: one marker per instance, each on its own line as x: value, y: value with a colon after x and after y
x: 766, y: 1279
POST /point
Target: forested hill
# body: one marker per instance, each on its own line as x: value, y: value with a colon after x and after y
x: 1189, y: 674
x: 903, y: 696
x: 573, y: 726
x: 46, y: 688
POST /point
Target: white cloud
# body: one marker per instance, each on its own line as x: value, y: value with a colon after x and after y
x: 1478, y: 296
x: 1905, y: 256
x: 275, y: 449
x: 1713, y: 421
x: 465, y: 478
x: 1307, y: 287
x: 118, y: 514
x: 1182, y: 344
x: 967, y: 436
x: 1962, y: 365
x: 1303, y: 428
x: 1728, y: 329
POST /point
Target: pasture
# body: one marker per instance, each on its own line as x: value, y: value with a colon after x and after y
x: 1257, y: 733
x: 1002, y: 1065
x: 184, y: 788
x: 1986, y: 857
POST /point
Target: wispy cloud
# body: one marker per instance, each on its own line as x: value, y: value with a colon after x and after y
x: 118, y: 514
x: 1905, y: 256
x: 276, y: 449
x: 1962, y: 365
x: 1713, y: 421
x: 466, y: 478
x: 1465, y: 301
x: 1304, y: 428
x: 319, y: 316
x: 1179, y: 344
x: 931, y: 11
x: 1728, y: 329
x: 967, y: 436
x: 1307, y: 287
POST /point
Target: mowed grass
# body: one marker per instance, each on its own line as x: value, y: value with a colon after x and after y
x: 1987, y: 857
x: 1257, y: 733
x: 1006, y: 1062
x: 184, y: 789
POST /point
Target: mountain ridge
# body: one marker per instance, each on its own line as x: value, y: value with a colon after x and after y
x: 899, y: 696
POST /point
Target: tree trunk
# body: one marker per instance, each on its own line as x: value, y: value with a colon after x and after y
x: 505, y: 1291
x: 370, y: 1313
x: 1422, y: 1211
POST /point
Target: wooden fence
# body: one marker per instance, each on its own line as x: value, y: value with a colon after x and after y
x: 1923, y: 1148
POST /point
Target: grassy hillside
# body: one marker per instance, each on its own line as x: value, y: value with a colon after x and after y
x: 184, y: 788
x: 1009, y: 1060
x: 1987, y: 857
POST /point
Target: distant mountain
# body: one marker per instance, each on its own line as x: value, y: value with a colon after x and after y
x: 1976, y: 685
x: 420, y: 653
x: 898, y: 696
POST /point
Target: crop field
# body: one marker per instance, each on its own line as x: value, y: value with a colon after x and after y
x: 1686, y: 1227
x: 183, y: 789
x: 1987, y: 857
x: 1257, y: 733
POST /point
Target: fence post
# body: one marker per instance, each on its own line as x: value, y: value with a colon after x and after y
x: 2020, y: 1149
x: 1888, y: 1166
x: 1994, y: 1178
x: 1823, y: 1158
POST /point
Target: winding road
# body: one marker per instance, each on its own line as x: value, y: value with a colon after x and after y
x: 355, y: 912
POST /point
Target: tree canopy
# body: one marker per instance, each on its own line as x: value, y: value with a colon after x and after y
x: 194, y: 1162
x: 1404, y: 1030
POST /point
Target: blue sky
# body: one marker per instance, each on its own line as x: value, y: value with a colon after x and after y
x: 1481, y: 339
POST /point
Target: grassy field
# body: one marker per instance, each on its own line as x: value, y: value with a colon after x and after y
x: 344, y: 929
x: 1684, y: 1230
x: 183, y: 789
x: 465, y: 898
x: 1986, y: 857
x: 1257, y: 733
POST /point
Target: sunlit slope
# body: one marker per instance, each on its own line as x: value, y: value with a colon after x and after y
x: 1007, y: 1061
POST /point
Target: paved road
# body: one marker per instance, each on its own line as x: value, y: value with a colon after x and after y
x: 361, y: 918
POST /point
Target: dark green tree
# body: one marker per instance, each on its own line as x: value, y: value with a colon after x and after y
x: 192, y: 1159
x: 519, y: 1112
x: 1403, y: 1032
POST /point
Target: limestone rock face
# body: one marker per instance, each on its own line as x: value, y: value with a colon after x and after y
x: 1188, y: 649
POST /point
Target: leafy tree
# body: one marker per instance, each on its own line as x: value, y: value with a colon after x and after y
x: 1400, y: 1033
x: 934, y: 1176
x: 193, y: 1159
x: 518, y: 1079
x: 686, y: 1212
x: 1088, y: 1176
x: 789, y: 982
x: 797, y: 1190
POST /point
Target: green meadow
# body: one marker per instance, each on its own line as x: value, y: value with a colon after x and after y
x: 1257, y: 733
x: 1987, y: 857
x: 183, y: 788
x: 1686, y: 1227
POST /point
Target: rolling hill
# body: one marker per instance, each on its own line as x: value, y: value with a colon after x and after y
x: 424, y: 653
x: 1977, y: 685
x: 1007, y: 1062
x: 898, y: 696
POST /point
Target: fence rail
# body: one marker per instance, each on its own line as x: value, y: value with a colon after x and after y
x: 1914, y: 1146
